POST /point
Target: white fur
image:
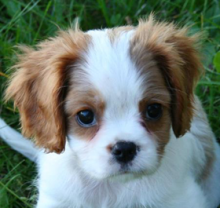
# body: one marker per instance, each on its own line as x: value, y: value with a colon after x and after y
x: 85, y: 175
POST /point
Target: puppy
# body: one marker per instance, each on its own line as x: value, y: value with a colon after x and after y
x: 115, y: 121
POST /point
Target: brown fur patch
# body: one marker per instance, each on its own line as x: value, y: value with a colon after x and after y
x: 38, y: 87
x: 206, y: 137
x: 82, y: 97
x: 156, y: 92
x: 177, y: 58
x: 208, y: 146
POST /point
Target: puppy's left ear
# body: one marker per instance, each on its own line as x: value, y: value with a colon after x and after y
x: 39, y: 85
x: 176, y: 55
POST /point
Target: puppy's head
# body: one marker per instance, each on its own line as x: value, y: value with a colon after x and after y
x: 116, y: 94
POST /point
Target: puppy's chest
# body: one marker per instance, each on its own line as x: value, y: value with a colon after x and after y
x: 86, y: 194
x: 107, y: 195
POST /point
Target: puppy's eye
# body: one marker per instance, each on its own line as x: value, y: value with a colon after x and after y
x: 154, y: 111
x: 86, y: 118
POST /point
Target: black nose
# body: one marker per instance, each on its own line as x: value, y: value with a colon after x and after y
x: 124, y: 152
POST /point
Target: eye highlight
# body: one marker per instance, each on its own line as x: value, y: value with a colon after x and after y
x: 86, y: 118
x: 153, y: 111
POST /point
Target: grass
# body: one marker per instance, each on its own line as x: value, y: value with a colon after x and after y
x: 28, y: 22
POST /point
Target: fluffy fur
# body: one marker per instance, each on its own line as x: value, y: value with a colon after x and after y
x: 116, y: 73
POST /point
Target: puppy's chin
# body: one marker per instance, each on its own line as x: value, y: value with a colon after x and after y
x: 115, y: 172
x: 131, y: 175
x: 125, y: 177
x: 118, y: 174
x: 122, y: 176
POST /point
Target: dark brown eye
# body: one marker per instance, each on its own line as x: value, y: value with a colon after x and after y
x: 154, y: 111
x: 86, y: 118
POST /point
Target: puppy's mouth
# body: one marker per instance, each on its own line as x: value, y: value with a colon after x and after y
x: 126, y: 169
x: 131, y: 171
x: 126, y: 174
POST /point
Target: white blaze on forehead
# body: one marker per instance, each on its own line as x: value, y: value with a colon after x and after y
x: 111, y: 70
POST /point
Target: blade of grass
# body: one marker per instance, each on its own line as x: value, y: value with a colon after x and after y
x: 4, y: 75
x: 14, y: 194
x: 209, y: 83
x: 102, y: 6
x: 42, y: 20
x: 17, y: 16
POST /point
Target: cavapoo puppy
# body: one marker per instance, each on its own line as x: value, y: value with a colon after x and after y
x: 115, y: 120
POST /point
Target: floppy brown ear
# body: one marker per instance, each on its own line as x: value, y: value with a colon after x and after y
x: 39, y: 84
x: 176, y: 55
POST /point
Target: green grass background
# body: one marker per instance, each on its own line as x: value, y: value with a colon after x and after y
x: 28, y: 22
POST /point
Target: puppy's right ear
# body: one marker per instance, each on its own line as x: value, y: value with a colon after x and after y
x: 39, y: 86
x: 178, y: 59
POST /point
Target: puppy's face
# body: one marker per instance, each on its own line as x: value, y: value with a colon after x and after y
x: 115, y: 94
x: 118, y: 111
